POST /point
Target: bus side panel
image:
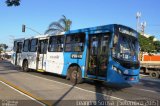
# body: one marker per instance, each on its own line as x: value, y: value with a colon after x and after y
x: 31, y: 57
x: 24, y: 56
x: 20, y: 62
x: 81, y: 62
x: 55, y: 62
x: 68, y: 60
x: 112, y: 75
x: 13, y: 58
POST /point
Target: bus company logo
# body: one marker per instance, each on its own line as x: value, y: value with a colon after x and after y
x: 76, y: 56
x: 54, y: 57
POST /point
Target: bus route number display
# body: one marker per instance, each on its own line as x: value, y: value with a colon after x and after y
x: 76, y: 56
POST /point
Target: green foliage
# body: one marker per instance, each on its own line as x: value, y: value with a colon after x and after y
x: 148, y: 45
x: 157, y: 46
x: 12, y: 3
x: 3, y: 47
x: 1, y: 50
x: 59, y: 26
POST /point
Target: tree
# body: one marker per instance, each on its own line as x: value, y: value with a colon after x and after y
x: 3, y: 47
x: 13, y: 2
x: 62, y: 25
x: 157, y: 46
x: 1, y: 50
x: 146, y: 44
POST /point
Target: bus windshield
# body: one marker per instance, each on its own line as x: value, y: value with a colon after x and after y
x: 125, y: 48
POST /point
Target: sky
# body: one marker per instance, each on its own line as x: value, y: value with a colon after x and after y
x: 38, y: 14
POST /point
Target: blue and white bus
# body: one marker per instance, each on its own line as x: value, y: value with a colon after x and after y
x: 108, y: 53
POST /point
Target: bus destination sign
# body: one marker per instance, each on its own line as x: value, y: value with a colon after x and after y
x: 128, y: 32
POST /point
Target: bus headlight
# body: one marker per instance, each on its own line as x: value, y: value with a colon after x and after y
x: 116, y: 69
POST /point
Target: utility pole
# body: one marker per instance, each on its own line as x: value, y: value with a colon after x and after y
x: 143, y: 25
x: 11, y: 38
x: 138, y: 15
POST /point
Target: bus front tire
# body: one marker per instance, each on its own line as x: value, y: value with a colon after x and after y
x: 25, y: 66
x: 75, y: 74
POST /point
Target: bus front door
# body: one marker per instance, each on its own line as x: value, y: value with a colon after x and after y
x: 41, y: 55
x: 18, y: 53
x: 98, y: 56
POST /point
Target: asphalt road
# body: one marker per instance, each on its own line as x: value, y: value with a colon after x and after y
x: 10, y: 96
x: 147, y: 89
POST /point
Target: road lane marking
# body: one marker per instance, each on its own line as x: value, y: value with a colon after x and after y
x: 148, y: 90
x: 78, y: 87
x: 25, y: 93
x: 88, y: 90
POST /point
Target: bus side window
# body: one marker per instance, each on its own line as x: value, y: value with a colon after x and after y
x: 68, y: 44
x: 26, y: 45
x: 42, y: 46
x: 56, y: 44
x: 104, y: 44
x: 60, y: 41
x: 19, y: 47
x: 75, y: 42
x: 33, y: 45
x: 94, y: 46
x: 15, y: 46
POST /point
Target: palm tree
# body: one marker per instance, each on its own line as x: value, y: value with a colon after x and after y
x: 60, y: 26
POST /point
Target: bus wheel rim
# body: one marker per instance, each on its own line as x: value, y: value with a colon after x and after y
x: 153, y: 74
x: 25, y: 66
x: 75, y: 74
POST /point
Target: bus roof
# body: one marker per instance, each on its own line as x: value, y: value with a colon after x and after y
x: 103, y: 28
x: 99, y: 29
x: 19, y: 39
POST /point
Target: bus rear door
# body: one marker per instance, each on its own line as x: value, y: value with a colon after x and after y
x: 41, y: 55
x: 18, y: 49
x: 98, y: 56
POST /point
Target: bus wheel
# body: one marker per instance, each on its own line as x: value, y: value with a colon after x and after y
x: 154, y: 74
x: 25, y: 66
x: 75, y: 74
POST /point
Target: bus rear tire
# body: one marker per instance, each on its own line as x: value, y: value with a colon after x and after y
x: 25, y: 66
x: 75, y: 74
x: 154, y: 74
